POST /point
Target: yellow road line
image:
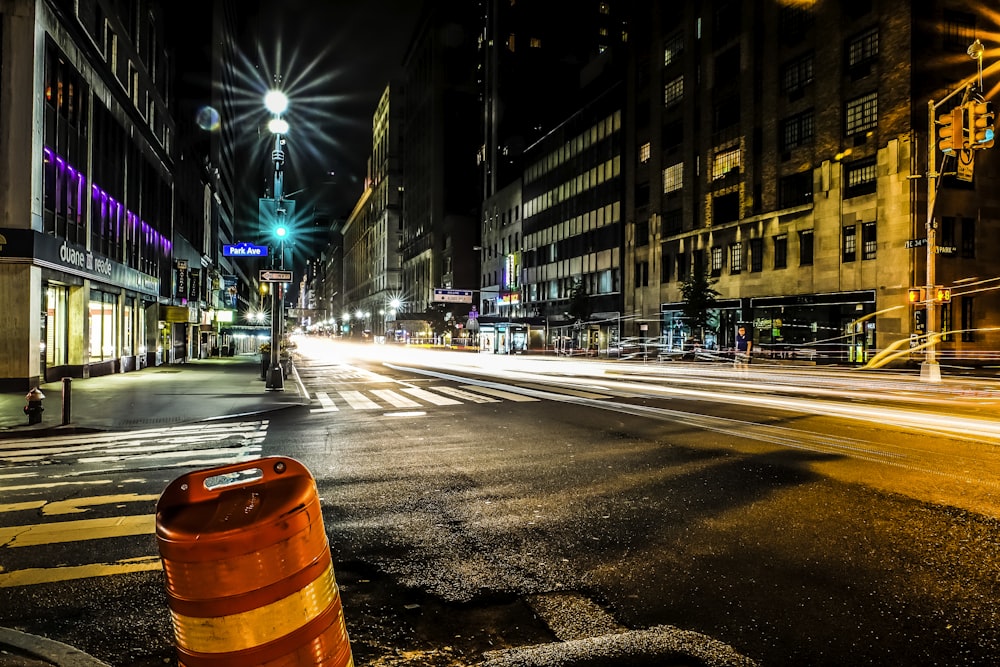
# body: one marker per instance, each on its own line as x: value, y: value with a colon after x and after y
x: 77, y: 531
x: 43, y: 575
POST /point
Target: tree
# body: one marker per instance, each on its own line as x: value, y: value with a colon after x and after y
x: 438, y: 318
x: 699, y: 296
x: 579, y: 302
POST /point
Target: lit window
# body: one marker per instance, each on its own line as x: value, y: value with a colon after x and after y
x: 725, y: 162
x: 604, y: 8
x: 716, y: 260
x: 536, y: 43
x: 673, y: 91
x: 736, y: 258
x: 644, y: 152
x: 869, y: 242
x: 673, y: 178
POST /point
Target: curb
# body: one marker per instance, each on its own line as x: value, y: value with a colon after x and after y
x: 47, y: 650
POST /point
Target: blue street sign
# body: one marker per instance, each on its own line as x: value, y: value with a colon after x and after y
x: 244, y: 250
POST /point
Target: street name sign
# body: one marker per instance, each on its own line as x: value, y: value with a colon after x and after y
x: 273, y: 276
x: 453, y: 295
x: 244, y: 250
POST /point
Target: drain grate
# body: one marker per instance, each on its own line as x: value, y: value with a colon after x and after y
x: 151, y: 420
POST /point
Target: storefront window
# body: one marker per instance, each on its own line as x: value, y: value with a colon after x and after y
x: 55, y: 326
x: 127, y: 326
x: 102, y: 325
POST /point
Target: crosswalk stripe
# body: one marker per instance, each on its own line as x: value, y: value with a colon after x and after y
x: 465, y: 395
x: 395, y: 399
x: 500, y: 393
x: 358, y: 401
x: 430, y: 397
x: 326, y: 403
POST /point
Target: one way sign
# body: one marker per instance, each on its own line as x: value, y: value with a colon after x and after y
x: 272, y: 276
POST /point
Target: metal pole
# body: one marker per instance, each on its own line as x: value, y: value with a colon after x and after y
x: 67, y: 400
x: 930, y: 370
x: 275, y: 379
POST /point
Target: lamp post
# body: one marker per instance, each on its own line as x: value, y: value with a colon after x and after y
x: 276, y: 102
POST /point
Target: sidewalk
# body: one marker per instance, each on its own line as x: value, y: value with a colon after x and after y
x: 203, y: 389
x: 157, y: 396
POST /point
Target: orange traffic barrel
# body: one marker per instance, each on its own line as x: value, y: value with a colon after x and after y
x: 249, y: 575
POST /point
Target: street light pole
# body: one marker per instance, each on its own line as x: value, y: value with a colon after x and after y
x: 276, y: 103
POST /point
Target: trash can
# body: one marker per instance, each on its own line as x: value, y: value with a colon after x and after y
x: 249, y: 575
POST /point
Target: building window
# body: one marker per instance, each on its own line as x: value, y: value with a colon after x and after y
x: 673, y: 48
x: 797, y: 130
x: 968, y: 320
x: 725, y: 162
x: 860, y: 178
x: 682, y: 266
x: 673, y: 91
x: 642, y: 233
x: 795, y: 190
x: 806, y: 247
x: 644, y: 152
x: 717, y: 260
x: 850, y: 243
x: 642, y: 274
x: 756, y: 255
x: 863, y: 49
x: 869, y: 240
x: 781, y: 251
x: 665, y: 264
x: 671, y: 221
x: 673, y: 178
x: 861, y: 114
x: 736, y: 258
x: 535, y: 43
x: 726, y: 208
x: 797, y: 74
x: 968, y: 238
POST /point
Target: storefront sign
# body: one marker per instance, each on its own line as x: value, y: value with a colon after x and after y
x: 58, y: 254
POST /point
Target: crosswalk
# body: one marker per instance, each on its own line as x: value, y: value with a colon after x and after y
x: 200, y: 445
x: 408, y: 397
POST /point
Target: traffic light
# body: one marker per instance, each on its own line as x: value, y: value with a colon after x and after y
x: 942, y: 294
x: 281, y: 231
x: 951, y: 134
x: 981, y: 119
x: 915, y: 295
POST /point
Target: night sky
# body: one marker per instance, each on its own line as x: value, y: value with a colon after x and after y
x: 334, y: 59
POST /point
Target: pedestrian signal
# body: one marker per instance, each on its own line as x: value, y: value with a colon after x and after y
x: 981, y: 119
x: 942, y: 294
x: 915, y: 295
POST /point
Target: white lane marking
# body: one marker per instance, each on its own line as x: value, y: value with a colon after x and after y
x: 395, y: 399
x: 359, y: 401
x: 465, y: 395
x: 326, y: 403
x: 430, y: 397
x: 519, y: 398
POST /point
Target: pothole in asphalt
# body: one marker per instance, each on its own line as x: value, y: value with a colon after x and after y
x: 392, y: 625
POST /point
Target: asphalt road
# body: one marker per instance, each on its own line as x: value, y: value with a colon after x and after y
x: 809, y: 520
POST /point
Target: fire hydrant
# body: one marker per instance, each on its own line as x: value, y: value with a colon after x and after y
x: 34, y: 407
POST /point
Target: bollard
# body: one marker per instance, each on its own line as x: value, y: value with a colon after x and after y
x: 248, y: 570
x: 67, y: 400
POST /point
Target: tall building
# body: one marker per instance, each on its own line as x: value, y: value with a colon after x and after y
x: 95, y: 275
x: 441, y: 129
x: 531, y: 60
x: 783, y: 149
x: 372, y: 269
